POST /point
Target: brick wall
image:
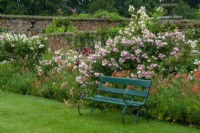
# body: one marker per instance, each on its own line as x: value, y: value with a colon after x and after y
x: 34, y: 25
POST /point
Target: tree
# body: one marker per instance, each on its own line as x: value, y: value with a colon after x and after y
x: 123, y: 5
x: 192, y: 3
x: 108, y: 5
x: 183, y: 9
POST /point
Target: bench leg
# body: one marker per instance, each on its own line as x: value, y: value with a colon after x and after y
x: 147, y: 114
x: 101, y: 108
x: 123, y: 112
x: 136, y: 116
x: 92, y: 108
x: 79, y: 102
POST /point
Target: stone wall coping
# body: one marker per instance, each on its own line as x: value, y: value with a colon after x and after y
x: 66, y: 33
x: 33, y: 17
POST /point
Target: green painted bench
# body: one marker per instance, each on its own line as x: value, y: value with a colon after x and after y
x: 119, y: 95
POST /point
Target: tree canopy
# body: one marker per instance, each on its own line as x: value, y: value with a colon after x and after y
x: 50, y: 7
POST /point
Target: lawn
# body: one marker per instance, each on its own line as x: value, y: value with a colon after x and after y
x: 29, y: 114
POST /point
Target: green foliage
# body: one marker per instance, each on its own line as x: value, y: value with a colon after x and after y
x: 49, y: 7
x: 59, y: 26
x: 56, y: 78
x: 80, y: 16
x: 14, y: 81
x: 107, y: 15
x: 196, y: 14
x: 107, y: 5
x: 88, y: 39
x: 156, y: 25
x: 22, y: 83
x: 6, y: 72
x: 2, y: 30
x: 108, y: 33
x: 183, y: 9
x: 123, y: 5
x: 192, y: 33
x: 13, y: 8
x: 175, y: 99
x: 46, y: 81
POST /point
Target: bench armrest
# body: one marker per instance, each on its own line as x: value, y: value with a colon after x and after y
x: 84, y: 92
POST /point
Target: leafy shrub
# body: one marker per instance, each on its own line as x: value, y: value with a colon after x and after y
x: 175, y: 99
x: 107, y: 15
x: 3, y: 30
x: 22, y: 83
x: 6, y: 72
x: 80, y: 16
x: 14, y: 81
x: 88, y: 39
x: 59, y: 26
x: 56, y: 78
x: 196, y: 14
x: 20, y: 50
x: 183, y: 9
x: 192, y: 33
x: 107, y: 33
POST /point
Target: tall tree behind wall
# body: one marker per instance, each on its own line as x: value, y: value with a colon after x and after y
x: 107, y: 5
x: 123, y: 5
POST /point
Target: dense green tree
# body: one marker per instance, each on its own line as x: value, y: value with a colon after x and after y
x: 192, y: 3
x: 186, y: 8
x: 14, y: 8
x: 123, y: 5
x: 107, y: 5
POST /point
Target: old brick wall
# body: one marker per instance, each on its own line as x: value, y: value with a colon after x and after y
x: 57, y: 41
x: 34, y: 25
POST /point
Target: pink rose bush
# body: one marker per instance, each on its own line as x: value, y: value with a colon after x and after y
x: 135, y: 49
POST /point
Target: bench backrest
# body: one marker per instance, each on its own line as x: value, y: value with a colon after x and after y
x: 145, y: 84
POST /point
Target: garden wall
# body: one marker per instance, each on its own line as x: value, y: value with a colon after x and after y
x: 34, y: 25
x: 57, y: 41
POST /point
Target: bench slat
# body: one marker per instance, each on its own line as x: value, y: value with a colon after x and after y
x: 122, y: 91
x: 114, y: 100
x: 126, y: 81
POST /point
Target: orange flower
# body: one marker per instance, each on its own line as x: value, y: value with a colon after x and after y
x: 69, y: 67
x: 152, y: 91
x: 67, y: 103
x: 197, y: 74
x: 122, y: 73
x: 178, y: 75
x: 195, y: 88
x: 129, y: 87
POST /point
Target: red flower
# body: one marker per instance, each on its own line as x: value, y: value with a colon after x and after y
x: 77, y: 63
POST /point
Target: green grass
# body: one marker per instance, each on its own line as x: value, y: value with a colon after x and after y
x: 28, y: 114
